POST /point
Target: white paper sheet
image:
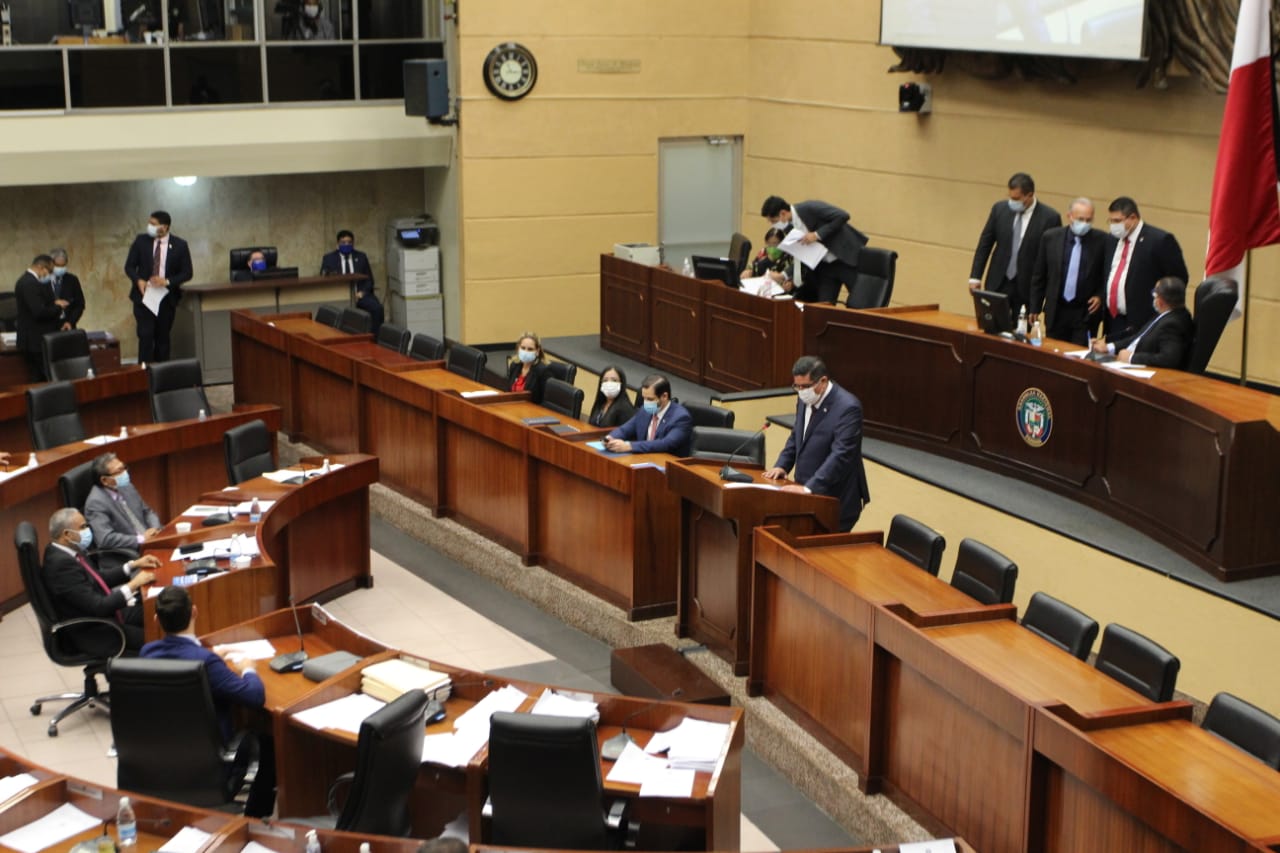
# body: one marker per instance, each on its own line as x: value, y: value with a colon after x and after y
x: 281, y: 475
x: 203, y: 510
x: 345, y: 714
x: 188, y: 840
x: 152, y: 297
x: 219, y: 548
x: 937, y: 845
x: 693, y: 744
x: 762, y: 286
x: 671, y: 783
x: 102, y: 439
x: 454, y: 749
x: 255, y: 847
x: 58, y: 825
x: 15, y: 784
x: 251, y: 649
x: 504, y: 699
x: 486, y: 393
x: 809, y: 254
x: 242, y: 508
x: 752, y: 486
x: 553, y: 704
x: 634, y: 767
x: 1130, y: 369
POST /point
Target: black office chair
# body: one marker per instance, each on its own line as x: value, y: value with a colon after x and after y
x: 393, y: 337
x: 355, y: 321
x: 544, y: 783
x: 239, y: 259
x: 74, y: 485
x: 466, y: 361
x: 53, y: 415
x: 249, y: 451
x: 720, y: 443
x: 873, y: 286
x: 559, y: 396
x: 329, y: 315
x: 984, y: 573
x: 177, y: 754
x: 704, y: 414
x: 1215, y: 297
x: 177, y: 390
x: 66, y: 355
x: 739, y: 251
x: 915, y: 542
x: 1138, y: 663
x: 1246, y: 726
x: 1060, y: 624
x: 563, y: 370
x: 388, y: 755
x: 59, y: 638
x: 426, y: 348
x: 9, y: 312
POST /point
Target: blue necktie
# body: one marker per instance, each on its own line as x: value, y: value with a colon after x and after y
x: 1073, y: 270
x: 1011, y: 271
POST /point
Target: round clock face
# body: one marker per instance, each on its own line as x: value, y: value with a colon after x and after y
x: 510, y: 71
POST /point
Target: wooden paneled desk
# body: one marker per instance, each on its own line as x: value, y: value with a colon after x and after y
x: 106, y: 402
x: 104, y: 356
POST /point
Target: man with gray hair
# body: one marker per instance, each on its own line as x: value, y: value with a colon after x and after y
x: 67, y: 286
x: 120, y: 518
x: 1070, y: 277
x: 80, y: 588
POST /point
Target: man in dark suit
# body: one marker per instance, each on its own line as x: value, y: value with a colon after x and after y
x: 1070, y: 275
x: 120, y: 519
x: 239, y: 686
x: 1140, y: 255
x: 1010, y: 240
x: 827, y: 224
x: 1165, y: 341
x: 157, y: 260
x: 79, y: 588
x: 826, y: 444
x: 39, y: 312
x: 66, y: 285
x: 347, y: 260
x: 659, y: 426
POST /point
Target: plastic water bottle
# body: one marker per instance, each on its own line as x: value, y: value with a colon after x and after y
x: 1036, y: 336
x: 255, y: 511
x: 364, y: 847
x: 324, y: 469
x: 687, y: 269
x: 203, y: 415
x: 313, y: 843
x: 89, y: 374
x: 31, y: 460
x: 127, y: 825
x: 1022, y: 321
x: 124, y: 432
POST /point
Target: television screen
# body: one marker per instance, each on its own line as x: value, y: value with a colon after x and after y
x: 1104, y: 29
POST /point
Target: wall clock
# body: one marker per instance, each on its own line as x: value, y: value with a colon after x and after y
x: 510, y: 71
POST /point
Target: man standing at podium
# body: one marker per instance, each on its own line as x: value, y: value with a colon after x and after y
x: 825, y: 445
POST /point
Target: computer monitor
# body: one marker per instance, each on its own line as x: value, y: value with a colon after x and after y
x: 87, y: 14
x: 716, y: 269
x: 991, y: 310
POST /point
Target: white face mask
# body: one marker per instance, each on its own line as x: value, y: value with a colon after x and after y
x: 808, y: 396
x: 1118, y: 230
x: 1017, y: 206
x: 610, y: 389
x: 312, y: 11
x: 153, y: 231
x: 1079, y: 227
x: 59, y: 271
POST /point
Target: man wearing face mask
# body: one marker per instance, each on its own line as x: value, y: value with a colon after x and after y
x: 311, y: 25
x: 1010, y: 240
x: 1139, y: 256
x: 159, y: 263
x: 660, y: 426
x: 1070, y: 273
x: 256, y: 263
x: 39, y: 312
x: 348, y: 260
x: 1165, y: 340
x: 819, y: 222
x: 67, y: 286
x: 121, y: 520
x: 825, y: 446
x: 79, y: 588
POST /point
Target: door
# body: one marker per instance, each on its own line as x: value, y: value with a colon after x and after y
x: 699, y: 196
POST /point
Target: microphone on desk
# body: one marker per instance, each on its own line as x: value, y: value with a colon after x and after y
x: 733, y: 475
x: 612, y: 748
x: 291, y: 661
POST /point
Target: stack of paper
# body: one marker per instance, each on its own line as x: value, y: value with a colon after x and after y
x: 248, y: 546
x: 391, y: 679
x: 504, y: 699
x: 11, y: 785
x: 345, y: 714
x: 58, y: 825
x: 651, y: 773
x: 250, y: 649
x: 693, y: 745
x: 188, y: 840
x: 471, y: 730
x: 554, y: 704
x: 203, y: 510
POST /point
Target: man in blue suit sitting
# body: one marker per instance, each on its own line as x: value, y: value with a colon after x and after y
x: 826, y: 444
x: 660, y: 426
x: 176, y: 615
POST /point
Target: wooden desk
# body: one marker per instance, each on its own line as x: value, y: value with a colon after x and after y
x: 104, y: 356
x: 106, y: 402
x: 1183, y: 458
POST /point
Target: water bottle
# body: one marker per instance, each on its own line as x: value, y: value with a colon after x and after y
x: 1022, y: 322
x: 202, y: 415
x: 127, y: 825
x: 313, y: 843
x: 364, y: 847
x: 687, y: 269
x: 1036, y: 336
x: 324, y: 469
x: 255, y: 511
x: 89, y: 374
x: 124, y: 432
x: 31, y: 460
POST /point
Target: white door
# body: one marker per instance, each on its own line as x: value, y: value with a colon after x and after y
x: 699, y: 196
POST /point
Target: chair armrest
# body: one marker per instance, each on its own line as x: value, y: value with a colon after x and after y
x: 331, y: 802
x: 486, y: 811
x: 614, y: 818
x: 81, y: 621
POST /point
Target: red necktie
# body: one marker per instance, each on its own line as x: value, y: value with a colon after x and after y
x: 155, y: 260
x: 653, y: 427
x: 1113, y: 298
x: 106, y: 590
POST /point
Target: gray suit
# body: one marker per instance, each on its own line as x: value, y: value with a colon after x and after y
x: 112, y: 528
x: 831, y: 224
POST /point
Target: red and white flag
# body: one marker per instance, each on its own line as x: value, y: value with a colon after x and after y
x: 1245, y: 211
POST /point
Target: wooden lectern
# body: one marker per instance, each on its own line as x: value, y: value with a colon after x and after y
x: 713, y: 603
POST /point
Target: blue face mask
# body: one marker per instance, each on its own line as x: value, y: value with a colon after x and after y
x: 1017, y: 206
x: 527, y: 356
x: 122, y: 479
x: 257, y: 265
x: 651, y: 407
x: 86, y: 538
x: 346, y: 248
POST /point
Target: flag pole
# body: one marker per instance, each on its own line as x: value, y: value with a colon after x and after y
x: 1244, y: 319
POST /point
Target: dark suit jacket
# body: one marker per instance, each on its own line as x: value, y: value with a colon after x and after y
x: 997, y: 235
x: 831, y: 224
x: 76, y: 594
x: 70, y: 290
x: 111, y: 527
x: 1051, y: 270
x: 619, y: 413
x: 37, y: 315
x: 674, y: 435
x: 1165, y: 344
x: 227, y: 687
x: 828, y: 459
x: 1153, y: 256
x: 535, y: 383
x: 177, y: 265
x: 331, y: 264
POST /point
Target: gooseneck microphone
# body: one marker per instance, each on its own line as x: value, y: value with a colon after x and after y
x: 291, y: 661
x: 733, y: 475
x: 612, y: 748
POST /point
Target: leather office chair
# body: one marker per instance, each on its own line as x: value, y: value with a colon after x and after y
x: 720, y: 443
x: 59, y: 637
x: 1060, y: 624
x: 388, y: 755
x: 239, y: 259
x: 983, y: 573
x: 177, y: 390
x: 426, y: 348
x: 560, y: 396
x: 1246, y: 726
x: 248, y: 451
x: 74, y: 486
x: 705, y: 414
x: 1138, y: 663
x: 66, y: 355
x: 565, y: 371
x: 915, y: 542
x: 739, y: 251
x: 466, y: 361
x: 1215, y: 297
x: 544, y: 783
x: 873, y: 286
x: 329, y: 315
x: 393, y: 337
x: 8, y: 312
x: 355, y: 321
x: 53, y: 415
x: 175, y: 753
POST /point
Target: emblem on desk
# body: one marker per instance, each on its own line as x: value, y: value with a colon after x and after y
x: 1034, y: 415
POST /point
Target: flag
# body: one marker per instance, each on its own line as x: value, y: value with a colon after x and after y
x: 1245, y: 210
